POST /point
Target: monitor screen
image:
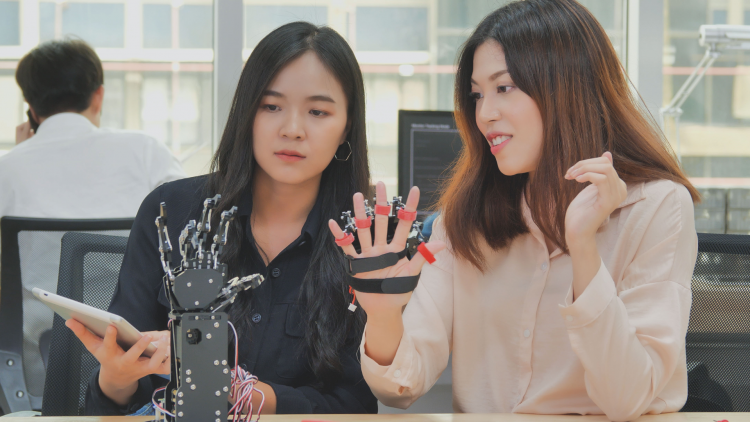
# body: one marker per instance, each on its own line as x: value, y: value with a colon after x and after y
x: 428, y: 143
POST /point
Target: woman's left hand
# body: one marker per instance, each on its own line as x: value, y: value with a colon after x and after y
x: 594, y: 203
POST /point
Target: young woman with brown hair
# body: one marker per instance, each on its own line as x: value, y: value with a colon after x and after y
x: 565, y: 285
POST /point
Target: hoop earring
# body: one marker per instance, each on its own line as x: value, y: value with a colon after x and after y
x: 336, y: 156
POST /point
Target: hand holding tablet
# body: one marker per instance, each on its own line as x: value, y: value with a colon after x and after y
x: 122, y: 351
x: 94, y: 319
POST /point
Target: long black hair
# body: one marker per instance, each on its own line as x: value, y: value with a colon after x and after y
x: 323, y: 294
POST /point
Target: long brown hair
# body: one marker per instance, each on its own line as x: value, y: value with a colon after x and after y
x: 559, y: 55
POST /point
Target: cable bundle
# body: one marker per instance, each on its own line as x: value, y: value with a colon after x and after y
x: 243, y: 386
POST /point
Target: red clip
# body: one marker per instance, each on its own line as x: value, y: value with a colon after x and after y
x: 428, y: 256
x: 407, y: 215
x: 383, y: 209
x: 364, y: 223
x: 346, y: 240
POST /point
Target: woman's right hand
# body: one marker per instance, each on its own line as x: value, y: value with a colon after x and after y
x: 377, y: 303
x: 384, y: 324
x: 121, y: 370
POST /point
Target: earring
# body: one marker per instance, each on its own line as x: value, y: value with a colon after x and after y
x: 349, y: 154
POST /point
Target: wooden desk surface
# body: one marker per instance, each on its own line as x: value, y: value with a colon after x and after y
x: 505, y: 417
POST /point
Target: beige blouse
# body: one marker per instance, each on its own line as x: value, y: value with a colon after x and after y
x: 519, y: 342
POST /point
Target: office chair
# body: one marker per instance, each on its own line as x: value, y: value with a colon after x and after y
x: 718, y: 338
x: 29, y: 257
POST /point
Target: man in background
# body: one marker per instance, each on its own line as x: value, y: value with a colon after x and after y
x: 69, y: 168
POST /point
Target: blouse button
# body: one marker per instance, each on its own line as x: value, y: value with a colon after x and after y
x: 256, y: 318
x: 526, y: 333
x: 397, y: 373
x: 276, y: 273
x: 544, y: 267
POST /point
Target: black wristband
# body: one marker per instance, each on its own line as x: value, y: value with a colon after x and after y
x: 363, y: 265
x: 393, y: 285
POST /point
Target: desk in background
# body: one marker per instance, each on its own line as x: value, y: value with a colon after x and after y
x: 503, y: 417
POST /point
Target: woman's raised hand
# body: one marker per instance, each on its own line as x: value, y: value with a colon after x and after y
x: 597, y: 201
x: 375, y: 302
x: 121, y: 370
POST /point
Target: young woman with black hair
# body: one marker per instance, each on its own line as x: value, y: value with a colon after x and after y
x: 565, y: 286
x: 292, y: 155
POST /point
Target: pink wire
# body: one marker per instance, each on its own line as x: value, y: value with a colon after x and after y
x: 244, y: 401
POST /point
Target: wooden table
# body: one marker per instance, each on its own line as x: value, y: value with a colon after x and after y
x: 503, y: 417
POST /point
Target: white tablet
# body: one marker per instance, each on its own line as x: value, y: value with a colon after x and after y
x: 94, y: 319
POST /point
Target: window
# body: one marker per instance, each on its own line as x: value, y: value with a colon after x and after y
x: 715, y: 124
x: 157, y: 58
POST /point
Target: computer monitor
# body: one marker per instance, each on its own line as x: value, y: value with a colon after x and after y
x: 428, y: 143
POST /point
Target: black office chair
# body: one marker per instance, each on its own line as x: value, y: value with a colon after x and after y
x: 29, y: 256
x: 89, y: 265
x: 718, y: 338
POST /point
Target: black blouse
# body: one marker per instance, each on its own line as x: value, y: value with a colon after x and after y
x: 276, y: 351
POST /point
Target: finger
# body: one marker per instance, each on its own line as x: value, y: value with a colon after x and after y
x: 608, y: 156
x: 404, y: 227
x: 110, y: 341
x: 597, y: 160
x: 603, y: 168
x: 156, y: 334
x: 339, y: 234
x: 165, y: 367
x: 160, y: 355
x: 417, y: 261
x: 381, y: 221
x: 597, y: 179
x: 90, y: 341
x: 365, y: 238
x: 137, y: 349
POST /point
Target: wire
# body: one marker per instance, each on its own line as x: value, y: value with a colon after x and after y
x: 156, y: 404
x: 243, y: 387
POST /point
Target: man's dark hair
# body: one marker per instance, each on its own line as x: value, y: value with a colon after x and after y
x: 60, y: 76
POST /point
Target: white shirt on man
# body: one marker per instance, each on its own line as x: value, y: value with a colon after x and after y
x: 71, y: 169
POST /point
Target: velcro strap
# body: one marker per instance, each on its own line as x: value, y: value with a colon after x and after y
x: 364, y: 223
x: 374, y: 263
x: 393, y: 285
x: 407, y: 215
x: 346, y: 240
x: 428, y: 256
x: 383, y: 209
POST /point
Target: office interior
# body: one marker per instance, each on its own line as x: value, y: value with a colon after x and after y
x: 171, y: 66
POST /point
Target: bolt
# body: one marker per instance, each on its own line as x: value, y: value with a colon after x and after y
x: 226, y: 370
x: 217, y: 420
x: 192, y: 387
x: 190, y: 284
x: 188, y: 372
x: 210, y: 281
x: 218, y: 413
x: 216, y: 325
x: 179, y: 415
x: 180, y: 402
x: 224, y: 362
x: 196, y: 304
x: 218, y: 393
x: 188, y: 380
x: 208, y: 336
x: 216, y: 363
x: 10, y: 362
x: 181, y: 394
x: 226, y: 389
x: 19, y: 394
x: 196, y: 317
